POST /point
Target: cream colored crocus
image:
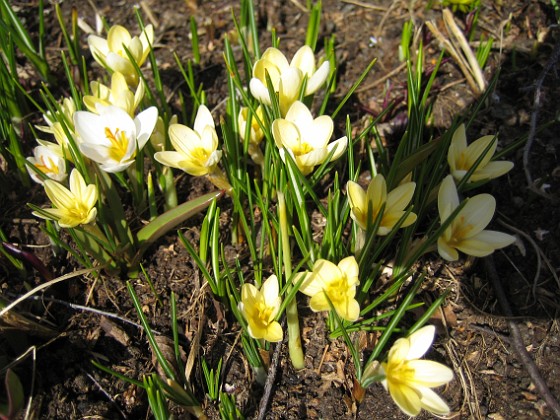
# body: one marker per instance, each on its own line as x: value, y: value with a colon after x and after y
x: 364, y: 203
x: 72, y: 207
x: 118, y: 94
x: 49, y: 159
x: 307, y: 139
x: 461, y: 158
x: 466, y: 233
x: 112, y: 138
x: 334, y: 283
x: 251, y: 123
x: 195, y: 148
x: 111, y: 52
x: 260, y: 308
x: 409, y: 380
x: 287, y: 78
x: 61, y: 125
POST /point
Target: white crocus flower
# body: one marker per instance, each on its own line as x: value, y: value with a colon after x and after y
x: 287, y: 78
x: 113, y: 138
x: 111, y: 52
x: 49, y: 159
x: 305, y: 138
x: 466, y: 232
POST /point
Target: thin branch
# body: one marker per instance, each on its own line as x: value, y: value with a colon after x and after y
x: 265, y: 399
x: 537, y: 103
x: 517, y: 342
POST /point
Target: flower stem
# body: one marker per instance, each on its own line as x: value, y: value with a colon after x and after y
x: 292, y: 318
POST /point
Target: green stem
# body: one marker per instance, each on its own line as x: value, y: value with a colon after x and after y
x: 292, y: 318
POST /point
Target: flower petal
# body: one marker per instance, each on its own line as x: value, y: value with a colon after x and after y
x: 202, y: 119
x: 304, y: 59
x: 420, y: 341
x: 433, y: 402
x: 477, y: 213
x: 485, y: 242
x: 274, y: 332
x: 428, y: 373
x: 406, y: 398
x: 145, y: 123
x: 318, y: 78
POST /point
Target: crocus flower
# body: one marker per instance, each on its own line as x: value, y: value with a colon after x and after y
x: 260, y: 307
x: 409, y: 379
x: 461, y: 158
x: 111, y: 52
x: 113, y: 138
x: 196, y: 149
x: 65, y: 115
x: 338, y: 284
x: 466, y: 232
x: 364, y: 203
x: 305, y: 138
x: 49, y: 159
x: 287, y: 78
x: 74, y: 206
x: 118, y: 95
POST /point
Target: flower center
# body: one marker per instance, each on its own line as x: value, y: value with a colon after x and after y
x: 264, y: 313
x: 200, y: 155
x: 47, y: 166
x: 119, y: 143
x: 303, y: 149
x: 461, y: 230
x: 337, y: 290
x: 399, y: 372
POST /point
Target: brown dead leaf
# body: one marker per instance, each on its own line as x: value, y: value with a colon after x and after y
x: 114, y: 331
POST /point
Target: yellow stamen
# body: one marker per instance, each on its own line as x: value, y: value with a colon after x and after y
x: 119, y: 143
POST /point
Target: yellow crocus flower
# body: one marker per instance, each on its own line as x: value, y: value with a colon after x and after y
x: 111, y: 52
x: 117, y: 95
x: 74, y: 206
x: 287, y: 78
x: 461, y: 158
x: 466, y: 232
x: 364, y: 203
x: 409, y: 379
x: 305, y: 138
x: 336, y: 283
x: 195, y: 148
x: 260, y: 307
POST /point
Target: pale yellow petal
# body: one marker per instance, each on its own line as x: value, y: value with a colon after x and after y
x: 349, y: 266
x: 274, y: 332
x: 116, y: 37
x: 304, y: 59
x: 428, y: 373
x: 433, y: 403
x: 319, y: 302
x: 476, y: 149
x: 477, y: 213
x: 318, y: 78
x: 446, y: 251
x: 448, y: 199
x: 406, y: 398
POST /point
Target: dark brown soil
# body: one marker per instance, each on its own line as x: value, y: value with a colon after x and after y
x: 473, y: 335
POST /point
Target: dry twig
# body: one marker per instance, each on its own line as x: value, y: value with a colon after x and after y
x: 517, y: 342
x: 535, y: 113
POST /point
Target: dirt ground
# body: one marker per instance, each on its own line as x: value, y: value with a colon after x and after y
x: 474, y: 334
